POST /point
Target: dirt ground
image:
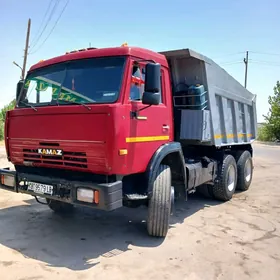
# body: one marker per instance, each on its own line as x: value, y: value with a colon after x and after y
x: 207, y: 240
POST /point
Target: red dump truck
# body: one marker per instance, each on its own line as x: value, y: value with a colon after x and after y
x: 126, y: 126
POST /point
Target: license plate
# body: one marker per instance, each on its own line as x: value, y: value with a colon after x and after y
x: 40, y: 188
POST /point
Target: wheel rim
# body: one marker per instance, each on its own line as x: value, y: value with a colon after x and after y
x: 248, y: 170
x: 231, y: 178
x: 172, y: 200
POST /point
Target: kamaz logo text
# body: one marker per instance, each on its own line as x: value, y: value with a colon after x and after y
x: 52, y: 152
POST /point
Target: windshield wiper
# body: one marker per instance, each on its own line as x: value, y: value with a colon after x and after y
x: 27, y: 104
x: 76, y: 102
x: 60, y: 87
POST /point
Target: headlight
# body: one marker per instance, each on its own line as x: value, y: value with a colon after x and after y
x: 88, y: 195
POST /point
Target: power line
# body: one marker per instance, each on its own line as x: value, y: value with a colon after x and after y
x: 48, y: 20
x: 44, y: 17
x: 265, y: 63
x: 231, y: 62
x: 265, y: 53
x: 52, y: 28
x: 230, y: 54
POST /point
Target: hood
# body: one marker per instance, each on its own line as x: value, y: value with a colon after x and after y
x: 68, y: 137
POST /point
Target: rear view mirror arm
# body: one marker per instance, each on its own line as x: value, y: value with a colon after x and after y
x: 134, y: 114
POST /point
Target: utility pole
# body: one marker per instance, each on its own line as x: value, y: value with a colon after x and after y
x: 26, y: 50
x: 246, y: 67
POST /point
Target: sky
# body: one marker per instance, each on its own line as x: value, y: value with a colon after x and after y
x: 223, y: 30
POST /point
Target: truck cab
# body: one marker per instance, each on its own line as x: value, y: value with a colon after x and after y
x: 92, y: 99
x: 107, y: 128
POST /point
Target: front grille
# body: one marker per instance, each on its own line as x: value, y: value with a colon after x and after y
x: 74, y: 159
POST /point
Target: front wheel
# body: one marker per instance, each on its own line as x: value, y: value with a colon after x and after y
x: 160, y: 204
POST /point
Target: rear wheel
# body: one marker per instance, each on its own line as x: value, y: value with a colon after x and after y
x: 244, y: 171
x: 160, y: 204
x: 224, y: 188
x: 59, y: 206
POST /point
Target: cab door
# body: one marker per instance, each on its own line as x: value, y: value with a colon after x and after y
x: 150, y: 127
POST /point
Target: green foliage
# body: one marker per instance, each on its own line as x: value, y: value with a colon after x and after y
x: 264, y: 134
x: 6, y: 108
x: 3, y: 112
x: 1, y: 130
x: 271, y: 129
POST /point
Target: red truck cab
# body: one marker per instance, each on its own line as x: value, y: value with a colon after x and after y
x: 109, y: 133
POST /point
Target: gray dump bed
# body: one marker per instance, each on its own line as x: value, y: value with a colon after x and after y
x: 228, y: 114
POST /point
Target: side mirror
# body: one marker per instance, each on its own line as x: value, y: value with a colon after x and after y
x: 152, y: 77
x: 21, y: 91
x: 150, y: 98
x: 151, y: 95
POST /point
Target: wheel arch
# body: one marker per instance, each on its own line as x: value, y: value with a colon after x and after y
x: 170, y: 154
x: 237, y: 150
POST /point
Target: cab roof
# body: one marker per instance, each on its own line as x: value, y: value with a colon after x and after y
x: 103, y: 52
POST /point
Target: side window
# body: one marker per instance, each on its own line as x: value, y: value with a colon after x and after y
x: 138, y: 83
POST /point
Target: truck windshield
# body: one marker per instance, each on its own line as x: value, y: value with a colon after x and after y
x: 95, y: 80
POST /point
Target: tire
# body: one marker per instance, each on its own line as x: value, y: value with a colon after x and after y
x: 160, y: 204
x: 225, y: 186
x: 59, y: 206
x: 244, y: 171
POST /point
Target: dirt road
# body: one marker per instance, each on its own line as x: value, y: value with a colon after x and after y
x: 208, y: 240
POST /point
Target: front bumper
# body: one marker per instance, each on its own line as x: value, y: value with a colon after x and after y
x: 110, y: 194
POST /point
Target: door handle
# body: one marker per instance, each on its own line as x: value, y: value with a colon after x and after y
x: 165, y: 126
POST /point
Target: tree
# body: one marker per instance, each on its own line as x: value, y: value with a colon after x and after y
x: 3, y: 112
x: 273, y: 116
x: 1, y: 130
x: 6, y: 108
x: 264, y: 134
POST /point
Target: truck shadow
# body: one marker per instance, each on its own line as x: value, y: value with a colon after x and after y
x: 80, y: 240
